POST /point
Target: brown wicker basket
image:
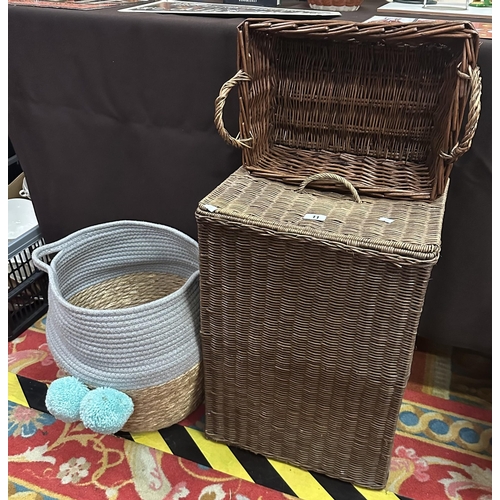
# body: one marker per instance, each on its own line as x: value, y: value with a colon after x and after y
x: 308, y: 326
x: 381, y: 104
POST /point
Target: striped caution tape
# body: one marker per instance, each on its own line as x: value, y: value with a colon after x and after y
x: 191, y: 444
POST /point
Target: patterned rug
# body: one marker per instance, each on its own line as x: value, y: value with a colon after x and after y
x: 442, y: 448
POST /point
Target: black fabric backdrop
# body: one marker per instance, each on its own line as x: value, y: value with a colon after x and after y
x: 111, y: 116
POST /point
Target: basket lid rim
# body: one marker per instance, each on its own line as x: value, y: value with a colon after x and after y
x: 225, y: 203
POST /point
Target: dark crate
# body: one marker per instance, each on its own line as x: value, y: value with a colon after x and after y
x: 28, y: 286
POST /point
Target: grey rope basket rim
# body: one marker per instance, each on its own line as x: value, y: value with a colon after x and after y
x: 132, y: 309
x: 59, y: 247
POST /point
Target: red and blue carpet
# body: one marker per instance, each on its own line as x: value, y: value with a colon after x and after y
x: 442, y: 447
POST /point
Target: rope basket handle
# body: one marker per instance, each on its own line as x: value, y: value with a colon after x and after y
x: 472, y: 118
x: 45, y: 250
x: 91, y: 233
x: 335, y: 177
x: 240, y: 76
x: 70, y: 241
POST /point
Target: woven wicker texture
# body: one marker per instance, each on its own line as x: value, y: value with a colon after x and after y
x: 124, y: 313
x: 128, y: 291
x: 308, y: 327
x: 381, y: 104
x: 164, y: 405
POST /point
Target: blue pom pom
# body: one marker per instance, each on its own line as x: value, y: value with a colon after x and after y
x: 105, y: 410
x: 63, y: 398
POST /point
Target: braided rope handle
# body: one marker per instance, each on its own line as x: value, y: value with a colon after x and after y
x: 338, y: 178
x: 43, y: 251
x: 240, y: 76
x: 70, y: 241
x: 472, y: 118
x: 95, y: 233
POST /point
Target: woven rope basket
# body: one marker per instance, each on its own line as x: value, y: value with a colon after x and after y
x: 124, y: 313
x: 381, y: 104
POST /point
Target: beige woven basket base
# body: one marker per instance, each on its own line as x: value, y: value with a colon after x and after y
x: 166, y: 404
x: 173, y: 401
x: 128, y: 290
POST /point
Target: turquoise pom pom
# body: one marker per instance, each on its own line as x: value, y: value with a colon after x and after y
x: 63, y: 398
x: 105, y: 410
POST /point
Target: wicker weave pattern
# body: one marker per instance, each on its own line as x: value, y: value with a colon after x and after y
x: 128, y: 290
x: 413, y: 238
x: 381, y: 104
x: 308, y: 337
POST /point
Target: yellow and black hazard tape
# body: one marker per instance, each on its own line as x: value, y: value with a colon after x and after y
x: 191, y: 444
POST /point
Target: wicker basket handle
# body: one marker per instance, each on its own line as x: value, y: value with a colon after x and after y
x: 472, y: 118
x: 241, y: 76
x: 335, y: 177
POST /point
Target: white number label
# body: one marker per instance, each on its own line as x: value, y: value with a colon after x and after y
x: 386, y: 219
x: 321, y: 218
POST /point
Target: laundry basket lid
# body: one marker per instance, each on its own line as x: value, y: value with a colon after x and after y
x: 410, y: 230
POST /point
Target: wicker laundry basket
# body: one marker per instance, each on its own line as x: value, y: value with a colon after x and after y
x: 308, y: 325
x: 124, y: 313
x: 381, y: 104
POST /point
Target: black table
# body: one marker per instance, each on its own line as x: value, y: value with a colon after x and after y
x: 111, y: 116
